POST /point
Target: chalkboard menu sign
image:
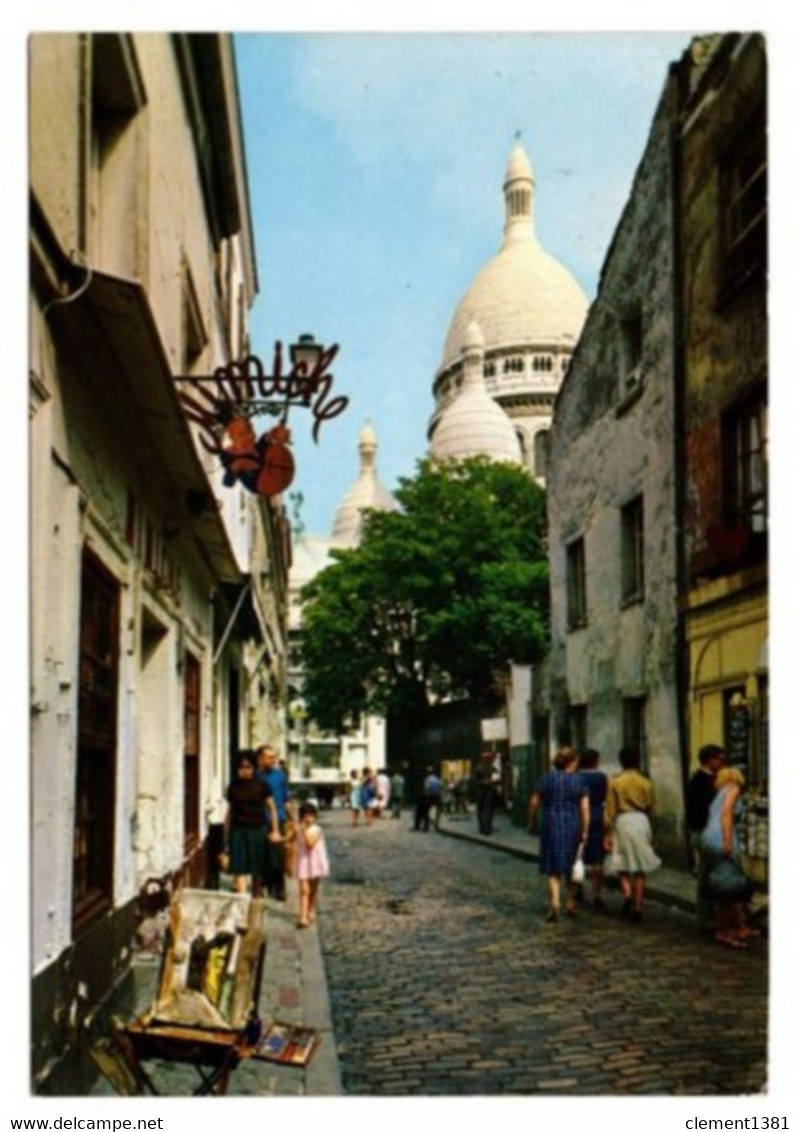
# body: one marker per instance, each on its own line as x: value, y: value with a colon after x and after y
x: 737, y: 734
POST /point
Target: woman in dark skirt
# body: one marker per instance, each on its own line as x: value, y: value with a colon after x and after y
x: 250, y: 819
x: 564, y: 803
x: 594, y: 853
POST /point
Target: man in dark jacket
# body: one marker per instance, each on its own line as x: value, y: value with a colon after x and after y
x: 485, y: 781
x: 699, y: 796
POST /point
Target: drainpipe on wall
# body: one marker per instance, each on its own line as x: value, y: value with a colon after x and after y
x: 682, y: 677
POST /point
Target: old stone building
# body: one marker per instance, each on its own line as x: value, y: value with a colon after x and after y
x: 612, y: 500
x: 158, y: 595
x: 722, y: 457
x: 657, y: 473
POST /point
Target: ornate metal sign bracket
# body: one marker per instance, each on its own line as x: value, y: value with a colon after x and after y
x: 224, y: 403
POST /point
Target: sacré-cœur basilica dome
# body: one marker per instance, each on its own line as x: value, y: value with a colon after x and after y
x: 518, y: 323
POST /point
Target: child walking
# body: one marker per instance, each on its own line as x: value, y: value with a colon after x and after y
x: 355, y: 796
x: 311, y: 864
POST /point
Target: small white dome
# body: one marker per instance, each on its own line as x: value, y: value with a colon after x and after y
x: 367, y: 493
x: 474, y: 424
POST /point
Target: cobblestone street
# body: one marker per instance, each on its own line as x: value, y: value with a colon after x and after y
x: 445, y: 979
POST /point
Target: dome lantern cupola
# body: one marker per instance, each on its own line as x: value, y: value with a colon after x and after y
x: 518, y: 189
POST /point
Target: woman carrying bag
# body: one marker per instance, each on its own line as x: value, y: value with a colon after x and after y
x: 561, y: 796
x: 728, y: 887
x: 629, y: 835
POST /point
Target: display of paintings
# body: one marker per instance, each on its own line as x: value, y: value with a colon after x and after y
x: 211, y: 959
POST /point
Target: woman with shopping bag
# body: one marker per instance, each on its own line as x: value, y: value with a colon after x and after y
x: 727, y: 886
x: 629, y: 835
x: 562, y: 799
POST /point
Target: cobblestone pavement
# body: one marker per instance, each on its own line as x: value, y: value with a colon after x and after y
x: 445, y: 979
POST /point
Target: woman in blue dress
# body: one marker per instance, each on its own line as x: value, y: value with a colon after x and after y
x: 564, y: 803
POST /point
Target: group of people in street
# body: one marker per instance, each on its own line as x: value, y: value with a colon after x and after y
x: 590, y: 824
x: 265, y: 841
x: 374, y: 793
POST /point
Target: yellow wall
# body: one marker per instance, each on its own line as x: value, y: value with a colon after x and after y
x: 727, y: 633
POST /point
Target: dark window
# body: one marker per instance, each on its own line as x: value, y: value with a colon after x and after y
x: 93, y: 850
x: 115, y: 198
x: 632, y: 550
x: 191, y: 751
x: 193, y: 331
x: 578, y: 724
x: 541, y: 448
x: 634, y: 733
x: 745, y: 460
x: 541, y: 742
x: 576, y: 584
x: 743, y: 183
x: 521, y: 442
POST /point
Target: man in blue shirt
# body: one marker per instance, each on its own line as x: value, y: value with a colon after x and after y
x: 270, y: 771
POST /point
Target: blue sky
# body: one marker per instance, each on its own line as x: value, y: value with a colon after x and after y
x: 376, y: 162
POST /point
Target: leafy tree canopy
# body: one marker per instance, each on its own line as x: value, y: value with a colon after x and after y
x: 436, y: 601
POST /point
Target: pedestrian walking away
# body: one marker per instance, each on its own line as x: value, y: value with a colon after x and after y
x: 594, y: 853
x: 484, y: 791
x: 383, y: 793
x: 629, y: 835
x: 311, y: 864
x: 355, y: 796
x: 433, y: 790
x: 428, y: 798
x: 369, y: 795
x: 398, y: 793
x: 699, y: 796
x: 563, y: 802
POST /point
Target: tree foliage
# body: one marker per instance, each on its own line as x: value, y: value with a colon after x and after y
x: 437, y: 600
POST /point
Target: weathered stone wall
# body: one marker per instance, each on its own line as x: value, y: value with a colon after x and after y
x: 725, y: 328
x: 611, y: 442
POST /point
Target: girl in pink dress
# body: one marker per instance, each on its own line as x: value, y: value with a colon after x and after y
x: 311, y: 863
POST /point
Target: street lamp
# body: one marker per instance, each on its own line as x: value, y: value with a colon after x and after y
x: 305, y: 355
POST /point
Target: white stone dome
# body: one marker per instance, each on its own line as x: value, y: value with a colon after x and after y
x: 523, y: 296
x: 474, y: 424
x: 367, y: 493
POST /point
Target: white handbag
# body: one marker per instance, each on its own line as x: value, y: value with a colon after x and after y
x: 578, y: 869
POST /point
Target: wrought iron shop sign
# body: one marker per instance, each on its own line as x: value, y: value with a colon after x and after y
x: 224, y: 404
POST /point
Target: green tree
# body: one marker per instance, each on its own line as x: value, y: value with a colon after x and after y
x: 437, y: 600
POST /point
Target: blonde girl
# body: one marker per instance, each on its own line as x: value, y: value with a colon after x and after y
x: 311, y: 864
